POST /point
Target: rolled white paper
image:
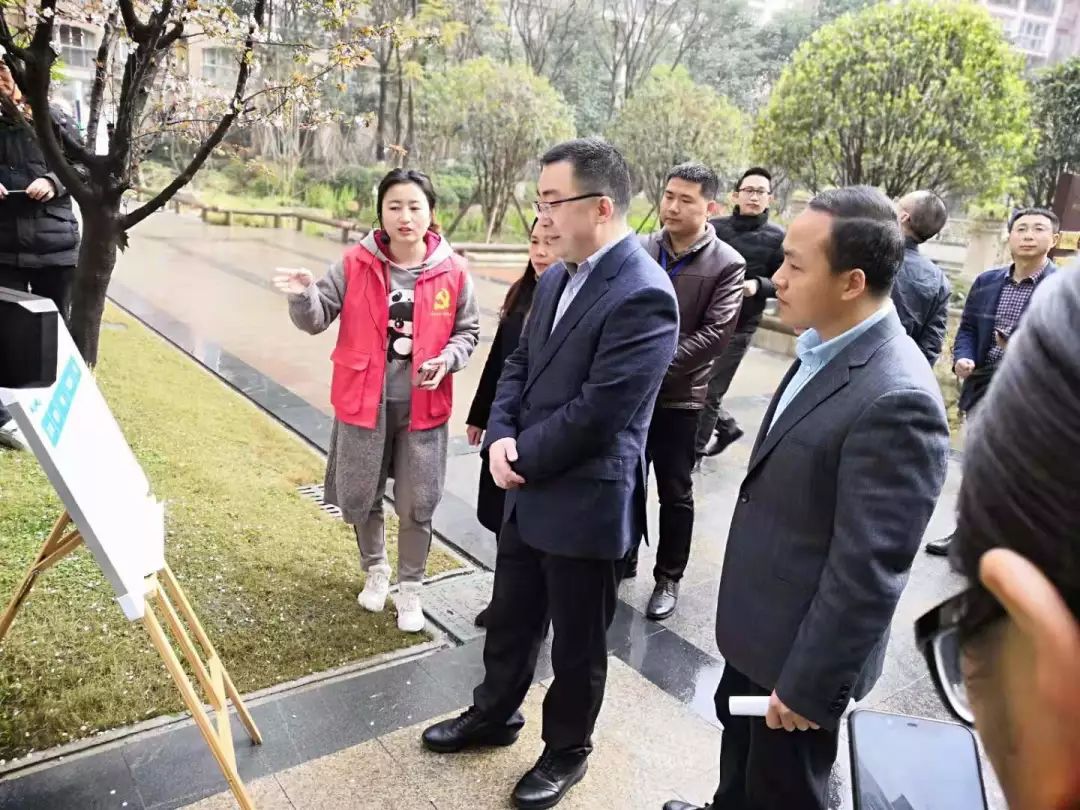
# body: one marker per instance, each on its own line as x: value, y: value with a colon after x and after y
x: 749, y: 706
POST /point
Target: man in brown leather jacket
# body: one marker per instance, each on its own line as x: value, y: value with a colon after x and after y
x: 708, y: 278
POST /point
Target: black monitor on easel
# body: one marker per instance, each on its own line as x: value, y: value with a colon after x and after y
x: 27, y: 340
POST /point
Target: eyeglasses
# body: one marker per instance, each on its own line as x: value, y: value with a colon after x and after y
x: 543, y: 208
x: 754, y: 192
x: 937, y: 634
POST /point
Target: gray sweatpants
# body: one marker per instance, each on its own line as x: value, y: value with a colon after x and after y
x: 416, y: 460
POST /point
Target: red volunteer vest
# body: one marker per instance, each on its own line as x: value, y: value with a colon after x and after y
x: 360, y: 355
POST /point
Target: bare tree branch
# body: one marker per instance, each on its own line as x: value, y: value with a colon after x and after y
x: 34, y: 83
x: 182, y: 179
x: 101, y: 78
x: 137, y: 30
x: 7, y: 39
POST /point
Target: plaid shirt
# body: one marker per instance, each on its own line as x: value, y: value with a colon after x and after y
x: 1015, y: 297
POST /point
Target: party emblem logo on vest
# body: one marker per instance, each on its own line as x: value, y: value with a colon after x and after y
x: 442, y: 300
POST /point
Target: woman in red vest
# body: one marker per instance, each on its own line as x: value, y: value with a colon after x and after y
x: 408, y: 321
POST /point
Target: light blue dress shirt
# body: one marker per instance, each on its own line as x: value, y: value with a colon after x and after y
x: 814, y: 355
x: 579, y: 274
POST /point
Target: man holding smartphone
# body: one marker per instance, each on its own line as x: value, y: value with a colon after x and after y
x: 997, y: 301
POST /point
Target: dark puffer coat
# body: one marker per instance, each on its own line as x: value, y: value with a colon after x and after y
x: 34, y: 234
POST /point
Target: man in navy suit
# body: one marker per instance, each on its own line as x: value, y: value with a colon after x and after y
x: 994, y: 307
x: 566, y: 439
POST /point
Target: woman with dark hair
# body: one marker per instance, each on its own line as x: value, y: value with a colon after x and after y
x: 408, y: 321
x: 515, y: 309
x: 39, y: 236
x: 1006, y: 652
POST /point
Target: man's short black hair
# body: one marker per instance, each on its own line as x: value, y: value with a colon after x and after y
x: 927, y: 215
x: 865, y: 234
x: 598, y: 168
x: 1035, y: 212
x: 755, y: 171
x: 697, y: 173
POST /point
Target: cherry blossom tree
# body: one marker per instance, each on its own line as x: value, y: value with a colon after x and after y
x: 143, y: 91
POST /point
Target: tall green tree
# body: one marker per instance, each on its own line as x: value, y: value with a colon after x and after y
x: 669, y: 120
x: 1056, y: 120
x: 915, y: 95
x: 504, y: 116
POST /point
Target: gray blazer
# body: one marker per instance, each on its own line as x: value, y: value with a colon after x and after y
x: 829, y: 517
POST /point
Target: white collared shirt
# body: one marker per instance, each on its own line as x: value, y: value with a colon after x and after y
x: 579, y: 274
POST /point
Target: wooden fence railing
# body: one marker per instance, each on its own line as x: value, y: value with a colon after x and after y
x: 219, y: 215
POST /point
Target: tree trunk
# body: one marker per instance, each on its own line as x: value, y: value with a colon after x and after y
x: 462, y: 211
x: 97, y: 258
x: 380, y: 120
x: 410, y: 130
x: 400, y: 98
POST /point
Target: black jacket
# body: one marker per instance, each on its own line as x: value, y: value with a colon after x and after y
x: 32, y: 234
x: 921, y: 295
x: 761, y: 243
x: 490, y: 499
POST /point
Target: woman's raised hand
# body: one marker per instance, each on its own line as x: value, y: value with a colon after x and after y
x: 293, y: 280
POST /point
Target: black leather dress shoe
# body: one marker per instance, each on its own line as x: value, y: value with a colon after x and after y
x: 481, y: 617
x: 674, y: 804
x: 549, y: 780
x: 471, y: 730
x: 719, y: 442
x: 664, y: 599
x: 940, y: 548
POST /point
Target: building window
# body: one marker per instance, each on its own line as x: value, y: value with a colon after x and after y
x: 1031, y: 36
x: 1006, y: 3
x: 77, y: 47
x: 1044, y: 8
x: 220, y: 66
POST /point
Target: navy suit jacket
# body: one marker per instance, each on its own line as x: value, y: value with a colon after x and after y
x: 578, y: 399
x: 975, y: 336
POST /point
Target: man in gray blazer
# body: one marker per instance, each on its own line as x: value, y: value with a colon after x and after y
x: 841, y: 484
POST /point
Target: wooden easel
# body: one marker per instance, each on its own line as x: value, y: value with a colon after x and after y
x: 165, y: 594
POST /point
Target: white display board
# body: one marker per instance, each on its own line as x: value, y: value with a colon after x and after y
x: 79, y: 445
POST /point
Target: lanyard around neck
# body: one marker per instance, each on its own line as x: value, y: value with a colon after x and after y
x: 675, y: 268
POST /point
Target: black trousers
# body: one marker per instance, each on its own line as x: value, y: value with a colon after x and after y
x: 670, y: 449
x: 762, y: 769
x: 580, y: 596
x: 714, y: 417
x: 48, y: 282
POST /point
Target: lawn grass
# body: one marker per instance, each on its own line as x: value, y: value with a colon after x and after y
x: 273, y: 578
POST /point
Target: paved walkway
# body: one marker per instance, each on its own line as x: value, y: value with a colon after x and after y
x: 352, y: 742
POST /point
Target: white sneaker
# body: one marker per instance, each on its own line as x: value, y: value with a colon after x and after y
x: 410, y: 614
x: 376, y: 588
x: 12, y: 436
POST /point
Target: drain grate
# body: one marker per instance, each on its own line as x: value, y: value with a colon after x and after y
x: 317, y: 493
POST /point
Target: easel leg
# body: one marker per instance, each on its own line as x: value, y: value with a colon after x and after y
x: 184, y: 608
x: 225, y: 758
x: 58, y: 545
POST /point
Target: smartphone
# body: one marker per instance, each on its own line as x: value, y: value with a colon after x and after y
x: 914, y: 763
x: 426, y: 372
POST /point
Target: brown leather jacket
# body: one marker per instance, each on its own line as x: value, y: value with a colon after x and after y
x: 709, y: 288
